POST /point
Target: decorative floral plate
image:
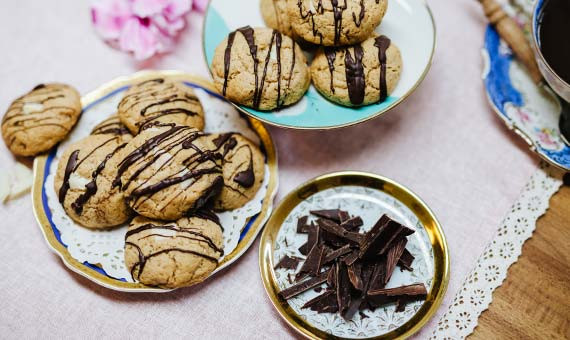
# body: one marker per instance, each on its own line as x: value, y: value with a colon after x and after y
x: 369, y: 196
x: 408, y: 23
x: 98, y: 254
x: 531, y: 111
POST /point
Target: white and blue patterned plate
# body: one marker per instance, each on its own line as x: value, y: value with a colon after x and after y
x: 408, y: 23
x: 531, y: 111
x: 98, y: 254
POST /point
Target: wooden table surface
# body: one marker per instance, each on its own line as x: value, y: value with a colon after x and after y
x: 534, y: 300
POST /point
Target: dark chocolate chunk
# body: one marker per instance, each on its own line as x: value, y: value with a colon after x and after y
x: 354, y: 274
x: 378, y: 275
x: 362, y: 315
x: 352, y: 308
x: 303, y: 286
x: 352, y: 224
x: 416, y: 289
x: 324, y: 303
x: 382, y: 236
x: 312, y: 264
x: 334, y: 254
x: 331, y: 278
x: 302, y: 226
x: 406, y: 260
x: 351, y: 258
x: 332, y: 214
x: 288, y: 262
x: 314, y: 236
x: 337, y: 231
x: 393, y: 256
x: 342, y: 287
x: 343, y: 216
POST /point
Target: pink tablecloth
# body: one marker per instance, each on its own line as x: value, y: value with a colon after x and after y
x: 443, y: 142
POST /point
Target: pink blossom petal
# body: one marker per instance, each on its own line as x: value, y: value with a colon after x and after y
x: 147, y: 8
x: 138, y: 39
x: 109, y: 17
x: 201, y: 5
x: 177, y: 8
x: 166, y: 27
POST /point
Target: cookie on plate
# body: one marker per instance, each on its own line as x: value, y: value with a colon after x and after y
x: 166, y: 172
x: 359, y: 75
x: 40, y: 119
x: 160, y: 100
x: 83, y: 182
x: 335, y: 22
x: 173, y: 254
x: 260, y: 68
x: 111, y: 126
x: 243, y: 166
x: 274, y: 13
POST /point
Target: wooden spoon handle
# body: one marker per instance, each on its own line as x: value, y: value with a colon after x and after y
x: 513, y: 35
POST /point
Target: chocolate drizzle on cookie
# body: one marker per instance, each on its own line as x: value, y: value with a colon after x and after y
x: 173, y: 140
x: 73, y: 164
x: 91, y: 187
x: 382, y: 43
x: 192, y: 234
x: 355, y: 75
x: 330, y: 53
x: 110, y: 126
x: 249, y: 35
x: 168, y: 94
x: 319, y: 10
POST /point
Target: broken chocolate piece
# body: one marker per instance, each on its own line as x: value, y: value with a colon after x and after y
x: 406, y: 260
x: 312, y: 264
x: 334, y: 254
x: 332, y: 214
x: 416, y: 289
x: 302, y: 226
x: 288, y: 262
x: 336, y: 230
x: 352, y: 224
x: 303, y: 286
x: 324, y: 303
x: 393, y: 256
x: 378, y: 275
x: 343, y: 216
x: 382, y: 236
x: 314, y: 235
x: 354, y: 274
x: 351, y: 258
x: 331, y: 278
x: 342, y: 287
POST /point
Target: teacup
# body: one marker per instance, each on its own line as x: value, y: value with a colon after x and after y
x: 556, y: 82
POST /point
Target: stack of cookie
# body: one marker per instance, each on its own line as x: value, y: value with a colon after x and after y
x: 266, y: 69
x: 153, y: 162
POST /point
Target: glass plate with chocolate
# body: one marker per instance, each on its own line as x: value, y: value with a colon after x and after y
x: 354, y: 255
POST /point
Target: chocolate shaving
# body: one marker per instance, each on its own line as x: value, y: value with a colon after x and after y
x: 337, y: 231
x: 302, y: 226
x: 354, y: 274
x: 406, y: 260
x: 312, y: 264
x: 416, y: 289
x: 352, y: 224
x: 332, y: 215
x: 288, y: 262
x: 343, y: 216
x: 382, y: 236
x: 334, y: 254
x: 303, y: 286
x: 393, y: 257
x: 342, y: 287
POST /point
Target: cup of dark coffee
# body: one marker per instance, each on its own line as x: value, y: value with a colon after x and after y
x: 551, y: 40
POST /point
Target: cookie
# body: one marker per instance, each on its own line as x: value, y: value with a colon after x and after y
x: 243, y: 166
x: 173, y: 254
x: 335, y: 22
x: 359, y: 75
x: 166, y: 172
x: 260, y: 68
x: 83, y: 182
x: 111, y: 126
x: 160, y: 100
x: 274, y: 13
x: 38, y: 120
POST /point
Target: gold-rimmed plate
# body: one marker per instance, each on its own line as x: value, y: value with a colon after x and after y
x: 98, y: 254
x: 368, y: 196
x: 408, y: 23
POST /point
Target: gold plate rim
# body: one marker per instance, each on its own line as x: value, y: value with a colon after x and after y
x: 340, y: 126
x: 93, y: 275
x: 407, y: 197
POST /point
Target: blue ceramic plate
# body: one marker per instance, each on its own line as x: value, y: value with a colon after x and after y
x: 531, y: 111
x: 408, y: 23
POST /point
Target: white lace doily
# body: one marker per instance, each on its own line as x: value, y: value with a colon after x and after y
x: 105, y: 247
x: 369, y: 204
x: 476, y: 292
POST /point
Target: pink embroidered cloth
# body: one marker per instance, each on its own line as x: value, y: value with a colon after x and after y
x: 444, y: 142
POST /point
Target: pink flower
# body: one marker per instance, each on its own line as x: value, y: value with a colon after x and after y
x: 201, y: 5
x: 141, y: 27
